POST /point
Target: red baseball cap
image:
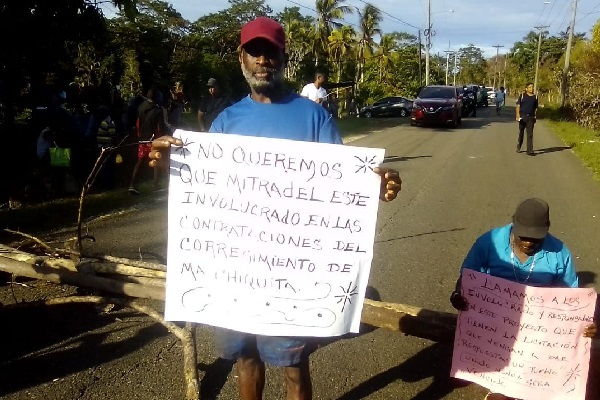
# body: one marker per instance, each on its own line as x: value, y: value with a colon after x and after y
x: 265, y: 28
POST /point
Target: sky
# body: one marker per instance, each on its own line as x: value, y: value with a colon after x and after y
x: 456, y: 23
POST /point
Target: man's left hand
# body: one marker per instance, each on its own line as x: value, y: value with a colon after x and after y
x: 590, y: 331
x: 391, y: 183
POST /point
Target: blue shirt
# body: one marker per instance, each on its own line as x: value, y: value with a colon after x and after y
x: 491, y: 254
x: 293, y: 117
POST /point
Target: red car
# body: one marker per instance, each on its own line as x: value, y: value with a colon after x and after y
x: 437, y: 104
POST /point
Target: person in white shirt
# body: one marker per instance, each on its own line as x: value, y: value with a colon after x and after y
x: 315, y: 91
x: 500, y: 97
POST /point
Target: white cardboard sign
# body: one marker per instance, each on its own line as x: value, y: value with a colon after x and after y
x: 270, y: 236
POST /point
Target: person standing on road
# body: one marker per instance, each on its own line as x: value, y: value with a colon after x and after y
x: 522, y: 252
x: 527, y: 105
x: 315, y: 91
x: 271, y: 111
x: 212, y: 105
x: 499, y: 99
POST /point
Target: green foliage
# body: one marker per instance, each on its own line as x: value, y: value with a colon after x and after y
x: 596, y: 37
x: 472, y: 65
x: 301, y: 37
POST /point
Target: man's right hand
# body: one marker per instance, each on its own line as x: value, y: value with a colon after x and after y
x: 458, y: 301
x: 161, y: 143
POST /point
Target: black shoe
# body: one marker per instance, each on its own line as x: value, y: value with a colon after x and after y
x: 518, y: 149
x: 530, y: 153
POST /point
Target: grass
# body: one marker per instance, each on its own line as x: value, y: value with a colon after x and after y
x: 584, y: 142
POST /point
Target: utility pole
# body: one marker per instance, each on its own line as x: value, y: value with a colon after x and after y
x: 420, y: 62
x: 427, y: 42
x: 537, y: 60
x: 565, y: 74
x: 448, y: 52
x: 496, y: 66
x: 505, y: 60
x: 454, y: 71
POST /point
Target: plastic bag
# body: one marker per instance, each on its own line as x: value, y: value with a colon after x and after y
x: 60, y: 157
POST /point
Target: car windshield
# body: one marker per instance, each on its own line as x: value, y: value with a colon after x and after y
x: 437, y: 93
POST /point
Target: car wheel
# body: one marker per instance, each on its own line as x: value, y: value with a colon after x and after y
x: 403, y: 112
x: 368, y: 114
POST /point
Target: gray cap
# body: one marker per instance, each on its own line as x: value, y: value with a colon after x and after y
x: 212, y: 82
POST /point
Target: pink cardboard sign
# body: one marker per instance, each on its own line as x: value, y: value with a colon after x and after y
x: 523, y: 341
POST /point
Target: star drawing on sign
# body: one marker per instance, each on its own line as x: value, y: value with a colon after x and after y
x: 346, y: 297
x: 183, y: 150
x: 365, y: 164
x: 574, y: 372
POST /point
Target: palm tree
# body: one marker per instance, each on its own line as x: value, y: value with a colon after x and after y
x: 387, y: 47
x: 299, y: 37
x: 329, y: 13
x: 341, y: 45
x: 370, y: 18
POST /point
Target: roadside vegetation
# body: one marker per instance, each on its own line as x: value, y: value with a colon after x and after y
x: 91, y: 58
x: 584, y: 142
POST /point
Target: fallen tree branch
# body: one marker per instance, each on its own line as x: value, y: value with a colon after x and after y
x: 124, y: 269
x: 44, y: 245
x: 46, y: 273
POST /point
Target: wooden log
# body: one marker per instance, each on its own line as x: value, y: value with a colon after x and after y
x: 427, y: 324
x: 128, y: 270
x: 155, y: 282
x: 433, y: 325
x: 46, y: 273
x: 127, y: 261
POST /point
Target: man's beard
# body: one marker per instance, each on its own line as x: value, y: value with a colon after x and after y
x: 264, y: 86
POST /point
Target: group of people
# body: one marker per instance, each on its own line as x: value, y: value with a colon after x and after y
x: 537, y: 257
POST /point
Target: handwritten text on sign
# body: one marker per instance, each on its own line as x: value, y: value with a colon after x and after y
x: 523, y: 341
x: 270, y: 236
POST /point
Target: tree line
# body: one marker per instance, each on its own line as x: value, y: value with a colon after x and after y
x: 149, y: 42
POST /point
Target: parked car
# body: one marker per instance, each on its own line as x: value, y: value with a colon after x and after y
x: 491, y: 93
x: 388, y: 106
x: 437, y: 104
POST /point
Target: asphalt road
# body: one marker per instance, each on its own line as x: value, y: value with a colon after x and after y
x: 457, y: 183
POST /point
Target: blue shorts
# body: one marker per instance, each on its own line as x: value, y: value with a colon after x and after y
x: 275, y: 350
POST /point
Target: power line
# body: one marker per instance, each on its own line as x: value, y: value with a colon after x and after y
x: 391, y: 16
x: 562, y: 10
x: 539, y: 18
x: 303, y: 6
x: 316, y: 12
x: 592, y: 11
x: 550, y: 12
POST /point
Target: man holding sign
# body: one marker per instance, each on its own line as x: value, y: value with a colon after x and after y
x: 522, y: 252
x: 271, y: 111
